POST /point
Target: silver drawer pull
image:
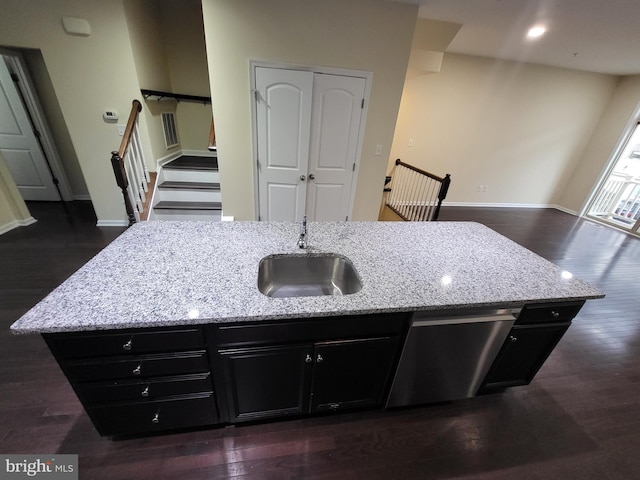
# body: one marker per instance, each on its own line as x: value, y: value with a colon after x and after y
x: 145, y: 392
x: 308, y: 359
x: 555, y: 314
x: 137, y: 370
x: 513, y: 339
x: 319, y: 359
x: 156, y: 418
x: 127, y: 346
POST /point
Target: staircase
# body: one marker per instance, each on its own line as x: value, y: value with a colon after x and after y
x: 188, y: 188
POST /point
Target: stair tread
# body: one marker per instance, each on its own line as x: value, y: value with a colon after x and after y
x: 177, y: 205
x: 190, y: 185
x: 192, y: 162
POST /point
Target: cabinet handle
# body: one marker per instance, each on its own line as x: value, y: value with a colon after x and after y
x: 513, y: 339
x: 303, y: 178
x: 555, y: 314
x: 145, y: 392
x: 156, y: 418
x: 312, y: 176
x: 308, y: 359
x: 319, y: 359
x: 127, y: 346
x: 137, y: 370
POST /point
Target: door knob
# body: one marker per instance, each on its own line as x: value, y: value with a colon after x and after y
x: 312, y: 176
x: 303, y: 178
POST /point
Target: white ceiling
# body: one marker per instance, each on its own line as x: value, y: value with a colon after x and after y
x: 593, y: 35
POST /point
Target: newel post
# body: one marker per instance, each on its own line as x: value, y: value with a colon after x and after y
x: 121, y: 179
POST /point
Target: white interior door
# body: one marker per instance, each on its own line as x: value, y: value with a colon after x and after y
x: 19, y: 145
x: 335, y: 127
x: 283, y: 119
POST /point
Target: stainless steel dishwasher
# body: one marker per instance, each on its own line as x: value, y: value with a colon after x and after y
x: 447, y: 357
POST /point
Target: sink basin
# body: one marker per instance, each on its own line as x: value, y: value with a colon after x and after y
x: 307, y: 275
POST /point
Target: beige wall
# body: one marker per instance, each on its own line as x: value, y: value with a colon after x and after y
x: 167, y: 38
x: 89, y: 75
x: 56, y: 123
x: 622, y: 113
x: 144, y: 22
x: 520, y: 129
x: 13, y: 211
x: 187, y: 60
x: 369, y: 35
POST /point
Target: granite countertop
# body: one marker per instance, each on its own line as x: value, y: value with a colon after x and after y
x: 179, y: 273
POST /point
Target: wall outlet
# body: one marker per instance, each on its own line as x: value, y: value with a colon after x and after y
x: 483, y: 188
x: 378, y: 150
x: 121, y: 129
x: 411, y: 142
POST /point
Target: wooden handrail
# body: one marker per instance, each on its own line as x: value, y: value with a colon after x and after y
x: 136, y: 108
x: 117, y: 159
x: 176, y: 96
x: 416, y: 169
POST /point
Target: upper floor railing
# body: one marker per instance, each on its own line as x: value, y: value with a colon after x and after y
x: 618, y: 200
x: 130, y: 168
x: 416, y: 195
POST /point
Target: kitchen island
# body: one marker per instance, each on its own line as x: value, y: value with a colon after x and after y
x: 166, y: 328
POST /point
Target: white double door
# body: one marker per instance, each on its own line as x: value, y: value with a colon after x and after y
x: 308, y: 132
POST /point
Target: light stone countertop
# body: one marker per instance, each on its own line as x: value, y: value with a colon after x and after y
x: 180, y: 273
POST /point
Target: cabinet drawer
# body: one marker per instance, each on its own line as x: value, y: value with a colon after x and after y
x: 123, y: 419
x: 149, y: 390
x: 124, y: 342
x: 142, y: 366
x: 549, y: 312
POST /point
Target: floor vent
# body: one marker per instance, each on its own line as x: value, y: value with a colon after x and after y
x: 169, y: 129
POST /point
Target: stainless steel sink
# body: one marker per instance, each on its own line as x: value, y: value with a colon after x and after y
x: 307, y: 275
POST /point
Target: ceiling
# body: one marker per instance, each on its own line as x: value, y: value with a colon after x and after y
x: 592, y: 35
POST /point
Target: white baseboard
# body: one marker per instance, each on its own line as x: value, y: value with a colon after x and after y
x: 201, y: 153
x: 112, y: 223
x: 168, y: 158
x: 565, y: 210
x: 16, y: 223
x: 195, y: 153
x: 510, y: 205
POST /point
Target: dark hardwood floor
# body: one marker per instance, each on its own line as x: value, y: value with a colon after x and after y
x: 579, y: 419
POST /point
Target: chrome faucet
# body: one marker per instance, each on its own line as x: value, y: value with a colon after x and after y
x: 302, y: 240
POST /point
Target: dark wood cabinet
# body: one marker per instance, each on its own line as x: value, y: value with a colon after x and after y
x: 266, y: 382
x: 535, y: 334
x: 156, y: 379
x: 312, y: 366
x: 525, y: 350
x: 137, y: 381
x: 351, y: 373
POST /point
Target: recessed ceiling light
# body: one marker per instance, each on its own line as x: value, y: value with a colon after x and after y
x: 535, y: 32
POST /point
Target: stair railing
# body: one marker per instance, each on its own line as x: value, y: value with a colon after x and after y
x: 130, y: 168
x: 416, y: 195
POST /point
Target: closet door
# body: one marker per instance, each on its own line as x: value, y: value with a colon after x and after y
x: 335, y: 127
x: 283, y: 121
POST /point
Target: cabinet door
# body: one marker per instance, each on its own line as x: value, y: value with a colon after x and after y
x: 525, y: 350
x: 351, y: 373
x: 267, y: 382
